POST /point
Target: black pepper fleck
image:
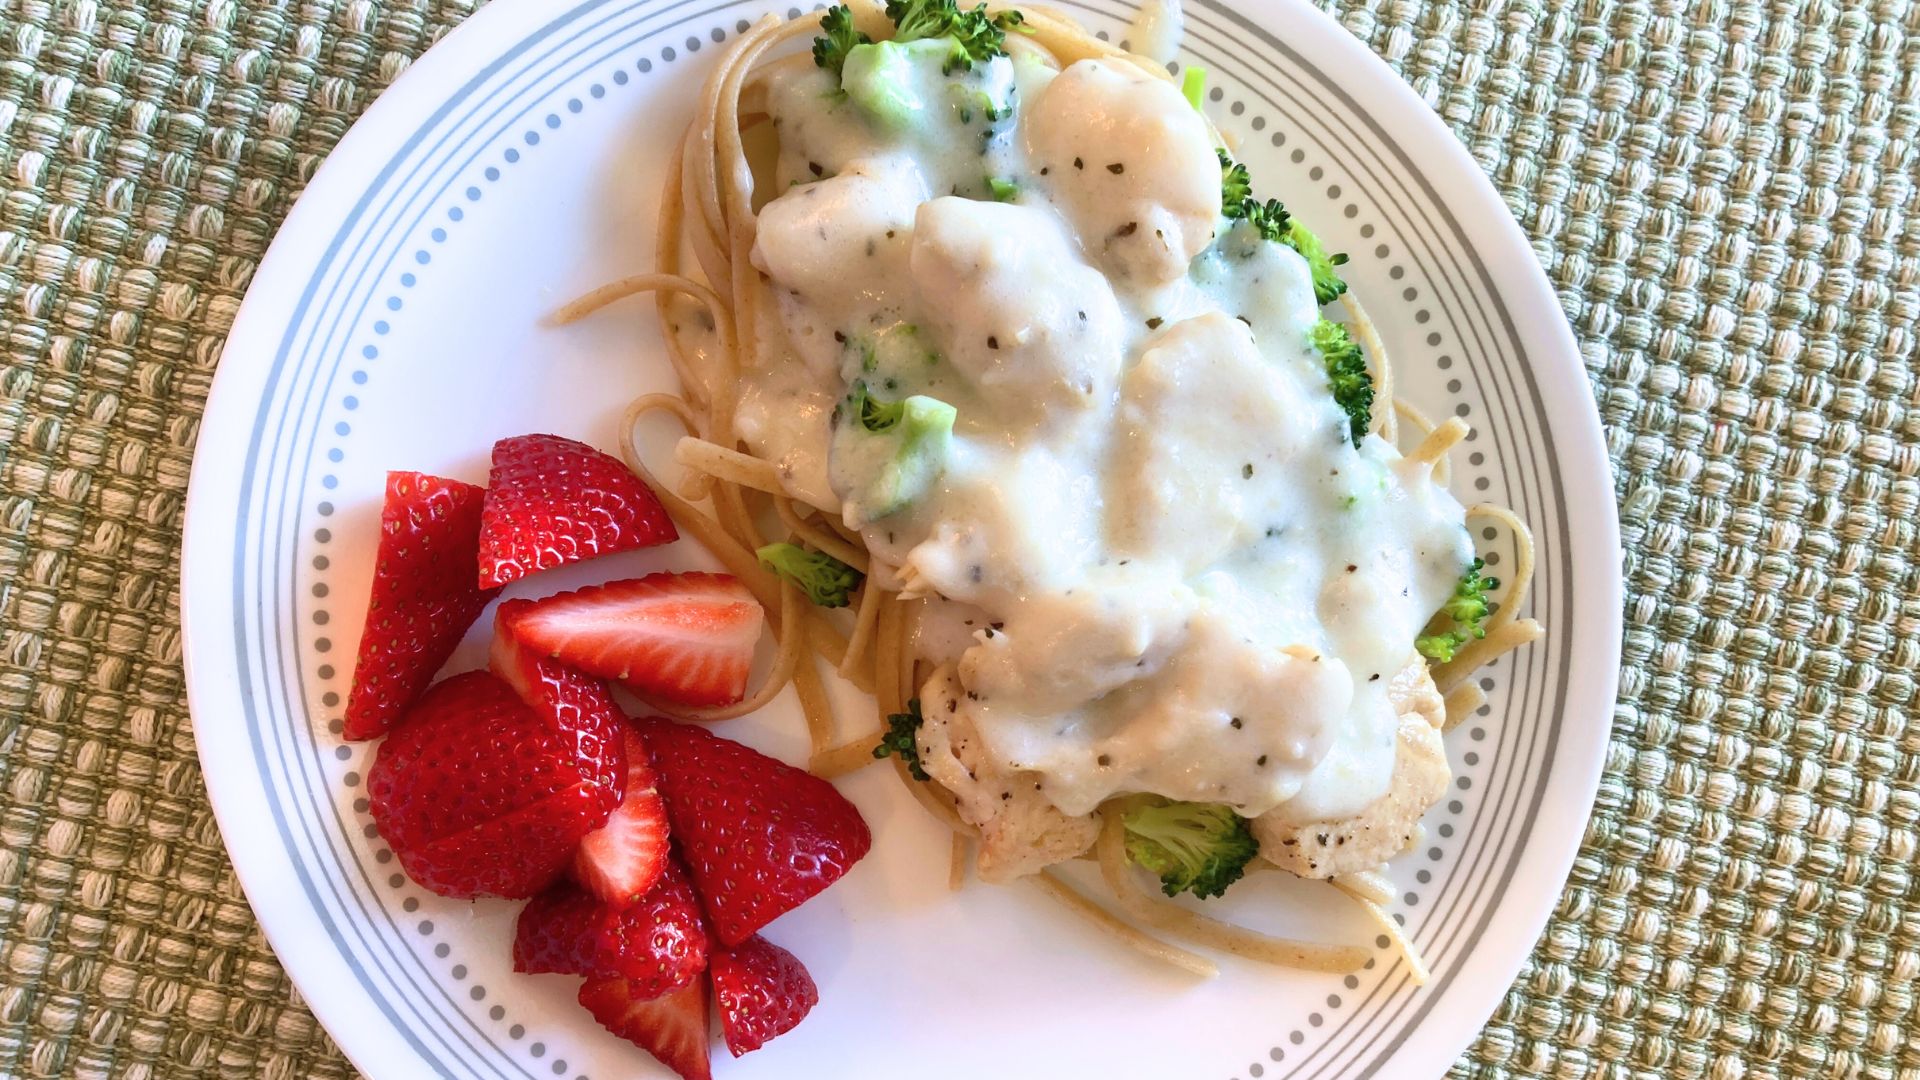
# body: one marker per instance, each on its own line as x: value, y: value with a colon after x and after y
x: 814, y: 168
x: 1237, y: 724
x: 993, y: 342
x: 1261, y: 760
x: 1078, y: 164
x: 1246, y: 471
x: 1116, y: 168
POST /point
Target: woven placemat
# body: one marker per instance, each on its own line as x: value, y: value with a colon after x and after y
x: 1722, y: 193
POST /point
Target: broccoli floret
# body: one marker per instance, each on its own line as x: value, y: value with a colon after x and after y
x: 1236, y: 186
x: 1327, y: 284
x: 1273, y: 221
x: 1199, y: 848
x: 1461, y: 619
x: 1346, y: 374
x: 922, y: 428
x: 903, y: 738
x: 976, y: 36
x: 1002, y: 190
x: 1193, y: 84
x: 879, y: 79
x: 830, y: 51
x: 827, y: 581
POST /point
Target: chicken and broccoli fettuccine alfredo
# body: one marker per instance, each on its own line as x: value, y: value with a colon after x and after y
x: 1025, y: 412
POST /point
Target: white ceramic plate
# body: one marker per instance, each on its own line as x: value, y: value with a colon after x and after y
x: 396, y: 323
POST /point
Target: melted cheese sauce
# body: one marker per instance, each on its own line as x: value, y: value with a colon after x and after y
x: 1165, y: 567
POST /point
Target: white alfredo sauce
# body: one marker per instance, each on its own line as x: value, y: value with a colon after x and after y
x: 1166, y: 567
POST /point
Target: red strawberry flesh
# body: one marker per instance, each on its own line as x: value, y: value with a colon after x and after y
x: 620, y: 861
x: 759, y: 836
x: 551, y: 501
x: 576, y: 706
x: 688, y: 638
x: 659, y: 944
x: 478, y: 795
x: 763, y: 991
x: 673, y: 1028
x: 422, y: 599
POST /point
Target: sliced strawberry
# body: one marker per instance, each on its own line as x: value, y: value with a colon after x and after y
x: 552, y: 501
x: 422, y: 600
x: 659, y: 944
x: 578, y: 706
x: 685, y: 637
x: 759, y: 835
x: 673, y: 1028
x: 478, y: 795
x: 763, y: 992
x: 619, y: 861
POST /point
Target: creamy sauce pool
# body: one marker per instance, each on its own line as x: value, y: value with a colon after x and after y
x: 1164, y: 566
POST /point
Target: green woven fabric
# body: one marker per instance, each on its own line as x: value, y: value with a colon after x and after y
x: 1722, y: 193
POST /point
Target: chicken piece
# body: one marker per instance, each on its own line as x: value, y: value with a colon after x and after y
x: 1015, y: 309
x: 1131, y: 164
x: 1323, y: 849
x: 819, y: 241
x: 1199, y: 411
x: 1021, y: 832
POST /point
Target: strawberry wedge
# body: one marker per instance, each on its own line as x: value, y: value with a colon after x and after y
x: 552, y: 501
x: 672, y: 1028
x: 620, y: 861
x: 423, y: 599
x: 658, y: 944
x: 479, y: 796
x: 577, y: 707
x: 759, y: 835
x: 763, y: 992
x: 686, y: 638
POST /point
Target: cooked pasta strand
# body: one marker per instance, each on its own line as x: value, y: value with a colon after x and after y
x: 1416, y: 967
x: 1142, y: 943
x: 1461, y: 701
x: 1433, y: 449
x: 850, y: 756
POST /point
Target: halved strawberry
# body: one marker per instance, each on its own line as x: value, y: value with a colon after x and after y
x: 478, y: 795
x: 759, y: 835
x: 685, y: 637
x: 422, y: 600
x: 578, y: 706
x: 619, y: 861
x: 659, y: 944
x: 673, y: 1028
x: 552, y: 501
x: 763, y: 992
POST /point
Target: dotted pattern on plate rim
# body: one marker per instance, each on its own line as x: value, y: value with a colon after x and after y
x: 473, y: 193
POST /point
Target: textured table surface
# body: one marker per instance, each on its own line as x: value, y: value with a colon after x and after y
x: 1721, y: 192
